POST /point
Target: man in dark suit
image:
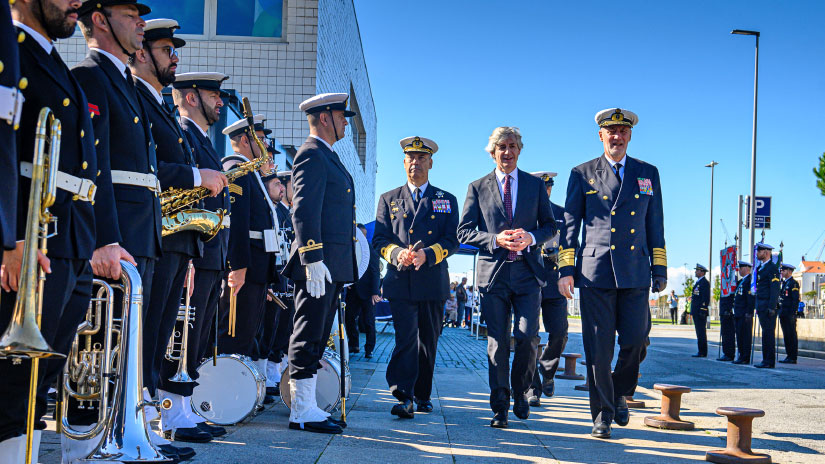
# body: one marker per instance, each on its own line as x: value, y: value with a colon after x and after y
x: 553, y: 309
x: 699, y: 309
x: 618, y: 200
x: 507, y: 216
x: 767, y: 298
x: 743, y: 307
x: 415, y: 229
x: 322, y: 258
x: 788, y: 306
x: 45, y: 82
x: 153, y: 68
x: 361, y: 299
x: 11, y: 108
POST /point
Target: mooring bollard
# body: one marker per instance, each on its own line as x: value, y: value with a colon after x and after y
x: 570, y: 367
x: 740, y: 428
x: 671, y: 402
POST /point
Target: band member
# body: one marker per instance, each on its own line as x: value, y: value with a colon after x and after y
x: 153, y: 68
x: 415, y: 229
x: 361, y: 298
x: 251, y: 262
x: 727, y: 327
x: 11, y: 106
x: 507, y: 216
x: 621, y: 250
x: 322, y: 258
x: 553, y: 309
x: 45, y: 82
x: 277, y: 357
x: 743, y: 307
x: 699, y: 310
x: 788, y: 307
x: 767, y: 297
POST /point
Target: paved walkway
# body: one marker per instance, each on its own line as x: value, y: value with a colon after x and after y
x: 558, y: 432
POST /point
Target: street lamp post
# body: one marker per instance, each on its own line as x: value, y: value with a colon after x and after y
x: 752, y: 203
x: 711, y: 165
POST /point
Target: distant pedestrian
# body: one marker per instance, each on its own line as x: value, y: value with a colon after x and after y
x: 451, y: 308
x: 461, y: 301
x: 673, y: 301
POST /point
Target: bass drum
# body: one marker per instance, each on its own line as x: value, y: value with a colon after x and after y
x: 229, y: 391
x: 328, y: 386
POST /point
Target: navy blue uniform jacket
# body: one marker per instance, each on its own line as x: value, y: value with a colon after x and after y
x: 399, y: 224
x: 124, y: 142
x: 550, y: 253
x: 743, y: 301
x: 789, y: 297
x: 767, y: 287
x: 700, y: 302
x: 9, y: 77
x: 622, y: 228
x: 484, y: 217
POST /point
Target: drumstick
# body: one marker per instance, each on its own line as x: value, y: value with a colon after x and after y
x: 233, y: 307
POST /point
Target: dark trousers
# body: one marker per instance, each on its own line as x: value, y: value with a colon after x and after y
x: 66, y: 295
x: 744, y: 335
x: 160, y: 313
x: 516, y: 293
x: 605, y: 312
x: 360, y: 313
x: 728, y: 332
x: 460, y: 308
x: 312, y: 326
x: 284, y: 330
x: 700, y: 320
x: 554, y: 317
x: 268, y: 329
x: 767, y: 320
x: 673, y: 314
x: 205, y: 301
x: 417, y: 326
x: 788, y: 323
x: 249, y: 317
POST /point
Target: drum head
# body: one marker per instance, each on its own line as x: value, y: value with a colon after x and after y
x: 226, y: 393
x: 362, y: 252
x: 327, y: 387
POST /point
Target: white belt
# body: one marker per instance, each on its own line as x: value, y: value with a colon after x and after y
x: 138, y: 179
x: 255, y: 234
x: 11, y: 104
x: 84, y: 188
x: 225, y: 222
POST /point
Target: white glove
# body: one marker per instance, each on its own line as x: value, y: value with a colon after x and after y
x: 317, y: 272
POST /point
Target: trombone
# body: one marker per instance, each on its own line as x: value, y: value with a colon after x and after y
x: 186, y: 314
x: 23, y: 338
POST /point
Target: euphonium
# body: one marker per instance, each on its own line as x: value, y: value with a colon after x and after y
x: 176, y: 349
x: 111, y: 375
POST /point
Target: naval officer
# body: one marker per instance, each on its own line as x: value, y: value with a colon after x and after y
x: 788, y: 307
x: 743, y: 306
x: 618, y: 201
x: 767, y: 297
x: 699, y: 309
x: 415, y: 231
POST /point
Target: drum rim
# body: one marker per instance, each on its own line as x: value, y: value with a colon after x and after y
x: 257, y: 377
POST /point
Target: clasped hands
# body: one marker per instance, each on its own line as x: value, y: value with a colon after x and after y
x: 514, y: 239
x: 408, y: 257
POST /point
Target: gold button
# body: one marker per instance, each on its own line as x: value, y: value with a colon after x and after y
x: 85, y: 165
x: 632, y: 247
x: 65, y: 102
x: 349, y: 190
x: 82, y: 133
x: 632, y: 231
x: 604, y: 197
x: 612, y: 229
x: 411, y: 231
x: 98, y: 173
x: 152, y: 168
x: 75, y: 197
x: 612, y: 213
x: 97, y: 141
x: 23, y: 83
x: 150, y: 125
x: 432, y: 217
x: 136, y: 119
x: 21, y: 37
x: 637, y: 195
x: 353, y: 206
x: 2, y: 66
x: 633, y: 213
x: 91, y: 115
x: 354, y: 239
x: 429, y: 232
x: 612, y: 247
x: 180, y: 140
x: 405, y: 215
x: 392, y: 217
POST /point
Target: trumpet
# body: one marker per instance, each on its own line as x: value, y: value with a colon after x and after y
x: 111, y: 374
x: 186, y: 315
x: 22, y: 338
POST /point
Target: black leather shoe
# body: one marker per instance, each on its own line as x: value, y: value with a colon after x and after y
x: 403, y: 410
x: 355, y: 350
x: 763, y: 365
x: 548, y: 387
x: 698, y: 355
x: 725, y: 358
x: 788, y: 361
x: 368, y: 355
x: 192, y: 435
x: 213, y: 430
x: 601, y: 429
x: 169, y: 452
x: 741, y: 361
x: 269, y: 399
x: 274, y: 391
x: 499, y: 420
x: 183, y: 453
x: 317, y: 427
x: 337, y: 422
x: 520, y: 407
x: 533, y: 401
x: 622, y: 416
x: 424, y: 405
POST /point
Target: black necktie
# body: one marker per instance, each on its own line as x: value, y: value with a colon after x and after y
x: 129, y: 82
x: 416, y: 196
x: 618, y: 168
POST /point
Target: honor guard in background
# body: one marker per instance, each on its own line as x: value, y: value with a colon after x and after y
x: 788, y: 306
x: 415, y: 231
x: 553, y: 308
x: 11, y: 107
x: 507, y: 216
x: 277, y: 356
x: 767, y: 297
x: 361, y: 299
x: 699, y: 309
x: 322, y: 258
x: 252, y: 264
x: 153, y: 68
x: 743, y: 302
x: 45, y: 83
x: 618, y: 201
x: 727, y: 326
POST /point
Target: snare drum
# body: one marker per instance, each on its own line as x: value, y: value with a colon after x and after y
x: 328, y: 386
x: 230, y: 391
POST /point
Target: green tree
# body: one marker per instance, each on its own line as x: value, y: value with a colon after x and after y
x: 819, y: 173
x: 687, y: 287
x: 717, y: 289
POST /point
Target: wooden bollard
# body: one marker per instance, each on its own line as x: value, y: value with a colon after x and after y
x: 740, y: 428
x: 570, y: 367
x: 671, y: 402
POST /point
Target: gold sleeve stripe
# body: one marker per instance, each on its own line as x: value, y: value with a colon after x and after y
x: 386, y: 252
x: 236, y: 189
x: 660, y: 257
x: 567, y: 257
x: 774, y: 280
x: 440, y: 253
x: 310, y: 246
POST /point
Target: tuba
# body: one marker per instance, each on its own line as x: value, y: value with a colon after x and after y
x: 111, y: 374
x: 176, y: 350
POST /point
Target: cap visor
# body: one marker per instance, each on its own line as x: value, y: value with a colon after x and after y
x: 349, y: 114
x: 143, y: 10
x: 267, y: 131
x: 177, y: 42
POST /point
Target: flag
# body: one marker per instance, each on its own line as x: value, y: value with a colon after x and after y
x: 728, y: 267
x: 753, y: 273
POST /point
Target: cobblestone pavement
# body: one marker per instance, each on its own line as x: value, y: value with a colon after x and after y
x: 558, y: 432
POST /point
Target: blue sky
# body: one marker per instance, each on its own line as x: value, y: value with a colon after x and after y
x: 454, y: 70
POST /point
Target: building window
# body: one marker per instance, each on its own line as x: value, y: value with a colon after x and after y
x: 188, y: 13
x: 359, y: 133
x: 261, y: 20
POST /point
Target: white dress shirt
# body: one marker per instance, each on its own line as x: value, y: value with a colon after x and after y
x: 623, y: 162
x: 513, y: 195
x: 412, y: 188
x: 42, y: 41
